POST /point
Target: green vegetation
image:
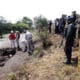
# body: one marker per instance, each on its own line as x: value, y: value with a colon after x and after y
x: 40, y: 22
x: 27, y: 20
x: 21, y: 25
x: 11, y: 76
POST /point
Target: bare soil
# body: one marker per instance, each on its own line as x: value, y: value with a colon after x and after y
x: 48, y: 67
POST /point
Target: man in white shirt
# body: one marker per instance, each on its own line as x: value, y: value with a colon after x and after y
x: 23, y: 44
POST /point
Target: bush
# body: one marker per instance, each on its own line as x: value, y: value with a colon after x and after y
x: 11, y: 76
x: 45, y: 38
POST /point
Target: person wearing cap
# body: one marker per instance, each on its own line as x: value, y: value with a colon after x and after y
x: 70, y: 36
x: 17, y: 39
x: 12, y: 38
x: 28, y: 37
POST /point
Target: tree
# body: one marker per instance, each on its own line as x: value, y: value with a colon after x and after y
x: 40, y: 22
x: 2, y: 22
x: 20, y: 26
x: 27, y: 20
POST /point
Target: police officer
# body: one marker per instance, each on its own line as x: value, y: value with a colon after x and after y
x: 70, y: 36
x: 57, y: 26
x: 50, y: 24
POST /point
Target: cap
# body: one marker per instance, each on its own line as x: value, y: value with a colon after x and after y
x: 12, y: 31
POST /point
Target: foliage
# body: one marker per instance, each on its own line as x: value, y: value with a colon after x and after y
x: 40, y: 22
x: 11, y: 76
x: 37, y: 51
x: 22, y: 25
x: 6, y: 27
x: 27, y: 20
x: 45, y: 38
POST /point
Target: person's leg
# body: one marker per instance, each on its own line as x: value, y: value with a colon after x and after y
x: 14, y: 44
x: 68, y: 52
x: 27, y: 46
x: 17, y: 41
x: 32, y: 45
x: 55, y: 29
x: 11, y: 42
x: 49, y: 29
x: 23, y: 47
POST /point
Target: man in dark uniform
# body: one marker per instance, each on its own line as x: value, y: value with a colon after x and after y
x: 62, y: 24
x: 70, y: 36
x: 57, y: 26
x: 50, y: 24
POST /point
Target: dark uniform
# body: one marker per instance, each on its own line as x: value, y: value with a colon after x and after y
x: 70, y: 36
x: 62, y: 25
x: 57, y: 26
x: 50, y: 24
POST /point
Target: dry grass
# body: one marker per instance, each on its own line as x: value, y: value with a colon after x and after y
x: 50, y: 66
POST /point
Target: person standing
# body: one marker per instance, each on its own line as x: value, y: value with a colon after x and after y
x: 74, y: 16
x: 17, y: 39
x: 30, y: 46
x: 57, y: 26
x: 12, y: 38
x: 70, y: 36
x: 62, y: 24
x: 50, y: 24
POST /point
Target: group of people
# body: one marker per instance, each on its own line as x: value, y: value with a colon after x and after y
x: 66, y: 26
x: 14, y: 38
x: 60, y: 24
x: 26, y: 43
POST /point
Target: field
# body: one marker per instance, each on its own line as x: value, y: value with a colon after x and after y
x: 44, y: 64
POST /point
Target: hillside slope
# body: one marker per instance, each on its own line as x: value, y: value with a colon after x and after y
x: 48, y: 67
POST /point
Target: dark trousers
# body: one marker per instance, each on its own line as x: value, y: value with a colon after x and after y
x: 68, y: 52
x: 50, y: 29
x: 56, y: 29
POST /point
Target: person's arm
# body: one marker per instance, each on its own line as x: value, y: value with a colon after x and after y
x: 25, y: 37
x: 14, y: 36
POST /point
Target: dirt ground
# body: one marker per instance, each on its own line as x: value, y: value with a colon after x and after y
x: 51, y: 67
x: 48, y: 67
